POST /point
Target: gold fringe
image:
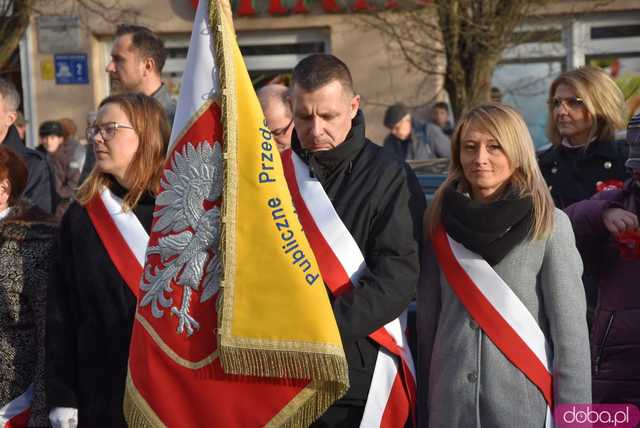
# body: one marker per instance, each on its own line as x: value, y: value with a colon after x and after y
x: 305, y: 408
x: 329, y: 370
x: 137, y: 412
x: 228, y: 119
x: 284, y: 364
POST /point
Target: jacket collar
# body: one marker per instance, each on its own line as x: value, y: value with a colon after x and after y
x: 345, y: 152
x: 24, y: 213
x: 602, y: 149
x: 13, y: 141
x: 162, y: 95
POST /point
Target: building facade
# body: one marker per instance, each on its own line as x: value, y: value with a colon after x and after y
x: 63, y: 58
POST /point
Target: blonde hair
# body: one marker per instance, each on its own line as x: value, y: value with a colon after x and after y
x: 507, y: 127
x: 150, y: 123
x: 602, y: 99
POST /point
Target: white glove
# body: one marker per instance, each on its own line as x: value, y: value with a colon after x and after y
x: 63, y: 417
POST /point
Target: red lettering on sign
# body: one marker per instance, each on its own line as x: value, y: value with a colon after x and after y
x: 276, y: 8
x: 300, y: 7
x: 245, y: 8
x: 361, y: 5
x: 330, y: 6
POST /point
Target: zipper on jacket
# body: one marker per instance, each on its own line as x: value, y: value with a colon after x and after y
x: 603, y: 342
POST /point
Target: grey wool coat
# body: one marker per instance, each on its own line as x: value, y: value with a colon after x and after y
x: 463, y: 378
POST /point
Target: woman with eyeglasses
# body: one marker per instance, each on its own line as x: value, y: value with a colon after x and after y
x: 586, y: 107
x: 103, y: 237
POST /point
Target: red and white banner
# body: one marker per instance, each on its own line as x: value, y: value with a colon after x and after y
x: 122, y: 235
x: 16, y: 413
x: 391, y: 399
x: 498, y: 311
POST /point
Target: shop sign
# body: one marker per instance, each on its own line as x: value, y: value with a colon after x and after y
x: 285, y: 7
x: 71, y: 69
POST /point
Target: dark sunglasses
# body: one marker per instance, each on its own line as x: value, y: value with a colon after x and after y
x: 281, y: 131
x: 107, y: 130
x: 571, y: 103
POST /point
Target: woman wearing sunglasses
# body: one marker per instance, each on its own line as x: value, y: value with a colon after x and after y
x: 586, y: 107
x: 92, y: 299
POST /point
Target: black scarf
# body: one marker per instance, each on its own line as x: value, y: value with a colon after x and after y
x: 143, y: 209
x: 488, y: 229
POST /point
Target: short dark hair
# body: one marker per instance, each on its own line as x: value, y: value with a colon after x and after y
x: 441, y: 105
x: 146, y: 41
x: 13, y: 168
x: 318, y: 70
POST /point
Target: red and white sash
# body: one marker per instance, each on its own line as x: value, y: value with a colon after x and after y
x: 17, y: 412
x: 498, y: 311
x: 391, y: 399
x: 122, y: 234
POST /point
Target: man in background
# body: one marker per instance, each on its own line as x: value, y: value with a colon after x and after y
x: 440, y: 117
x: 411, y: 139
x: 137, y: 59
x: 39, y: 183
x: 274, y: 99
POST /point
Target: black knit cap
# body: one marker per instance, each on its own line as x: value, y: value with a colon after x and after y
x: 51, y: 127
x: 394, y: 114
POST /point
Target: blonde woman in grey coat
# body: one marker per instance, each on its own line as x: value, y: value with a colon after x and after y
x: 496, y: 245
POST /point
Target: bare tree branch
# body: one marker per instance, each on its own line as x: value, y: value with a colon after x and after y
x: 15, y: 19
x: 461, y: 40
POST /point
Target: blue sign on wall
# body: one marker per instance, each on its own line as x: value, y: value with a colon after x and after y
x: 71, y: 69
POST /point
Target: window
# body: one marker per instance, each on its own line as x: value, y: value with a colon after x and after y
x: 525, y: 86
x: 269, y: 55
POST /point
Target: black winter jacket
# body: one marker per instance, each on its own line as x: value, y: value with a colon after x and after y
x: 90, y: 313
x: 39, y: 183
x: 379, y: 200
x: 572, y: 174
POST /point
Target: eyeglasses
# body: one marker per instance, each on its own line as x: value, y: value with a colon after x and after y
x: 571, y: 103
x: 107, y: 130
x: 281, y: 131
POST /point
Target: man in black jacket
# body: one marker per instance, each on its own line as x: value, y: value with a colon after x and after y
x: 380, y: 202
x: 39, y: 184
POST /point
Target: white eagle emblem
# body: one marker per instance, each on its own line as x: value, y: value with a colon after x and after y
x: 190, y: 233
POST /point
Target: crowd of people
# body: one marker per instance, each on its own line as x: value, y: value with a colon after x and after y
x: 540, y: 247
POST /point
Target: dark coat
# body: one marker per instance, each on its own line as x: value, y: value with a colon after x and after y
x: 615, y: 338
x: 65, y: 165
x: 396, y: 147
x: 89, y: 319
x: 27, y: 237
x: 379, y: 200
x: 573, y: 174
x: 40, y: 183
